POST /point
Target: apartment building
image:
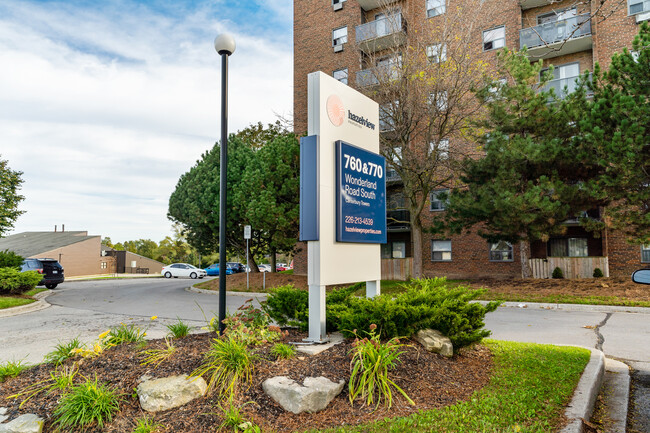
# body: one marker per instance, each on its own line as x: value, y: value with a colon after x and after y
x: 348, y: 39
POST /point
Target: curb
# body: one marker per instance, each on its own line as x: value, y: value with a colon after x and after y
x: 616, y: 389
x: 584, y: 397
x: 215, y: 292
x: 574, y: 307
x: 40, y: 304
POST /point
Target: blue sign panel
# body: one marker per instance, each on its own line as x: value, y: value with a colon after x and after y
x: 360, y: 195
x: 309, y: 188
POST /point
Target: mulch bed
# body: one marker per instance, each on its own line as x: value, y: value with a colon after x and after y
x: 431, y: 380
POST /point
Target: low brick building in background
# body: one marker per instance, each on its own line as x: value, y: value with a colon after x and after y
x: 78, y: 253
x: 336, y: 36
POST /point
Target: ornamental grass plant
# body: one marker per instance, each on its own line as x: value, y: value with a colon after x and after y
x: 371, y: 363
x: 60, y: 379
x: 227, y: 364
x: 88, y: 403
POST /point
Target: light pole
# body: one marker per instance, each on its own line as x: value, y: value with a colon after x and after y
x: 225, y: 46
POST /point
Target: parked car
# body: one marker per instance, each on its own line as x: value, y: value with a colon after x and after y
x: 264, y: 268
x: 279, y: 267
x: 182, y: 270
x: 236, y: 267
x: 51, y: 270
x: 213, y: 270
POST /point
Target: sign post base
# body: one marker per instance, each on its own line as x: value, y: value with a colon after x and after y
x: 373, y: 288
x: 317, y: 328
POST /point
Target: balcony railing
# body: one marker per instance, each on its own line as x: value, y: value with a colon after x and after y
x: 558, y: 31
x: 379, y: 74
x: 379, y: 28
x: 398, y: 220
x: 563, y: 86
x: 392, y: 176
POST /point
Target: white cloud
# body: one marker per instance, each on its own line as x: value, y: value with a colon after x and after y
x: 103, y: 109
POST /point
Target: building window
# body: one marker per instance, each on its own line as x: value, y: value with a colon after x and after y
x: 441, y: 251
x: 341, y: 75
x: 393, y: 250
x: 386, y: 122
x: 102, y: 265
x: 638, y: 6
x: 437, y: 53
x: 494, y: 38
x: 439, y: 100
x: 571, y: 247
x: 436, y: 7
x: 439, y: 150
x: 564, y: 76
x: 501, y: 252
x: 339, y: 37
x: 645, y: 253
x: 437, y: 202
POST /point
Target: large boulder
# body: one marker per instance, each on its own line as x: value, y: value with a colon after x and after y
x: 435, y: 341
x: 28, y: 423
x: 170, y: 392
x: 312, y: 396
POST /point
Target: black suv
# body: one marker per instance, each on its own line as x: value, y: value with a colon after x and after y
x: 51, y: 270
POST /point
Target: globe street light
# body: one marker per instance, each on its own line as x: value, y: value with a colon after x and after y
x: 225, y: 46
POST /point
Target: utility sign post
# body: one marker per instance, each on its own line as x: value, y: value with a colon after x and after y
x: 247, y: 236
x: 342, y: 193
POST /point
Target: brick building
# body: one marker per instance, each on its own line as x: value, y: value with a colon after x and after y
x: 346, y: 38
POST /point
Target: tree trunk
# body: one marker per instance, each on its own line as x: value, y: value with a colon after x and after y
x: 273, y: 261
x: 524, y: 255
x: 416, y: 238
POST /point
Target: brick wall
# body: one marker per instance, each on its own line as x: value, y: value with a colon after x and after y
x: 81, y: 258
x: 314, y: 21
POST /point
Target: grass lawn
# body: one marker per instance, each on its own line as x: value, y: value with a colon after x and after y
x: 529, y: 391
x: 35, y: 291
x: 8, y: 302
x: 564, y: 299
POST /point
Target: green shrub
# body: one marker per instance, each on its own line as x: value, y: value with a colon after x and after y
x: 250, y: 325
x: 226, y: 364
x: 12, y: 281
x: 87, y: 403
x: 426, y: 303
x: 9, y: 259
x: 288, y: 306
x: 598, y: 273
x: 557, y: 273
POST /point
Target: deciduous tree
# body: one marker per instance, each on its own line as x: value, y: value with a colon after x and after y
x: 10, y: 183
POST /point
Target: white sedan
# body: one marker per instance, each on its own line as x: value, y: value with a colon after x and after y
x: 182, y: 270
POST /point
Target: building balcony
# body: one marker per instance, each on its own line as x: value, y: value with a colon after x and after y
x: 392, y: 176
x: 369, y: 5
x: 374, y: 76
x: 558, y: 38
x: 398, y: 220
x: 381, y: 34
x: 529, y: 4
x: 563, y: 86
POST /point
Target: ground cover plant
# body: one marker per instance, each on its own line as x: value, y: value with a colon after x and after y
x: 11, y: 369
x: 179, y: 329
x: 90, y: 402
x: 63, y: 351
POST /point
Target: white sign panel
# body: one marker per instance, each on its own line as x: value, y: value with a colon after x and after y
x: 337, y: 112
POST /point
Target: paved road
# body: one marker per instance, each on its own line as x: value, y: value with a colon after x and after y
x: 620, y: 335
x: 85, y: 309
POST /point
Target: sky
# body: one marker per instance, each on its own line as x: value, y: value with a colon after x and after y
x: 105, y: 104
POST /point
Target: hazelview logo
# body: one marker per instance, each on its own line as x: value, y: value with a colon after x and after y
x: 336, y: 113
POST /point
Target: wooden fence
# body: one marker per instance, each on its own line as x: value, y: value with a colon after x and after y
x: 397, y: 269
x: 572, y: 267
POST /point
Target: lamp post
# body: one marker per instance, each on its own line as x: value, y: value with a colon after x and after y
x: 225, y: 46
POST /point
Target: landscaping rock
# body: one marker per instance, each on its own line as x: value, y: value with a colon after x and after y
x: 28, y: 423
x: 312, y: 396
x: 434, y: 341
x: 3, y: 414
x: 170, y: 392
